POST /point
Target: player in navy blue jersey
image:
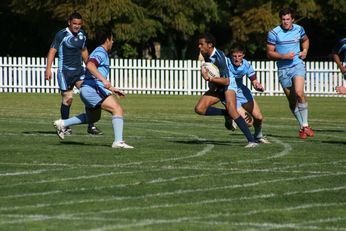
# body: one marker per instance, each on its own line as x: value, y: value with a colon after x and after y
x: 283, y: 45
x: 70, y: 44
x: 240, y: 67
x: 96, y: 92
x: 339, y: 56
x: 221, y: 88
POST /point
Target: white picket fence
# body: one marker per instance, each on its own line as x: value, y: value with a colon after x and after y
x: 169, y: 77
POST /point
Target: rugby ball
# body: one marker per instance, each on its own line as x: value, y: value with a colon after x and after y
x: 213, y: 71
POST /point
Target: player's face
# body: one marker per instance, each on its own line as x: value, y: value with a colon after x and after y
x: 237, y: 58
x: 75, y: 25
x: 109, y: 44
x: 287, y: 21
x: 204, y: 47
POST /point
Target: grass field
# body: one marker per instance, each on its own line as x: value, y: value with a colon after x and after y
x: 187, y: 172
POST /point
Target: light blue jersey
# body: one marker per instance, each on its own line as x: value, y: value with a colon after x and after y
x: 101, y: 60
x: 287, y: 41
x: 93, y: 91
x: 244, y: 94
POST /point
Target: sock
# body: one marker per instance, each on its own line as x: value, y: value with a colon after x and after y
x: 258, y: 130
x: 79, y: 119
x: 298, y: 116
x: 65, y: 111
x: 244, y: 128
x: 303, y: 110
x: 213, y: 111
x: 118, y: 125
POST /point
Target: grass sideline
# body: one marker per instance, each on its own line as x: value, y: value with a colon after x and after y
x: 187, y: 172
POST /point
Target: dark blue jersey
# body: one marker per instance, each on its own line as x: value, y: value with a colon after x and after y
x: 218, y: 58
x: 69, y: 48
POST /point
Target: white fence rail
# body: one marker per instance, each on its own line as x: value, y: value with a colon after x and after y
x: 170, y: 77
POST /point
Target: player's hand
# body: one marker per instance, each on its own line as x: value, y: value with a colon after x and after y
x: 48, y: 74
x: 343, y: 70
x: 341, y: 90
x: 106, y: 83
x: 117, y: 92
x: 303, y: 54
x: 289, y: 55
x: 258, y: 86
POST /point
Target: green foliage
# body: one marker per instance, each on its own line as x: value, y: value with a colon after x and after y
x: 175, y: 23
x: 128, y: 51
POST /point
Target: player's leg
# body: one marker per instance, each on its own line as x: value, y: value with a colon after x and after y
x: 254, y: 109
x: 231, y: 104
x: 246, y: 116
x: 204, y: 105
x: 302, y: 104
x: 66, y: 102
x: 92, y: 129
x: 111, y: 105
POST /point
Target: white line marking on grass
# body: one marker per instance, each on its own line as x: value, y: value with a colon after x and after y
x: 180, y: 192
x: 39, y: 171
x: 287, y: 149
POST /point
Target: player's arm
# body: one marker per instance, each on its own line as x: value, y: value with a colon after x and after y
x: 85, y: 55
x: 272, y: 54
x: 305, y: 47
x: 217, y: 80
x: 50, y: 57
x: 256, y: 85
x: 92, y: 67
x: 338, y: 62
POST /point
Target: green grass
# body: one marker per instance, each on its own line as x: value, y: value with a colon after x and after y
x: 187, y: 172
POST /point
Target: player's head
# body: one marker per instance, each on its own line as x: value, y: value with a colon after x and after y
x: 206, y: 43
x: 75, y: 22
x: 287, y: 18
x: 104, y: 37
x: 237, y: 53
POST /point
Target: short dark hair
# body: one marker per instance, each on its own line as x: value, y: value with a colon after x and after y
x: 236, y: 47
x: 75, y: 15
x: 102, y: 34
x: 209, y: 38
x: 287, y: 10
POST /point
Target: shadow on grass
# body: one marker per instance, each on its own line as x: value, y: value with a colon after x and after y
x: 39, y: 132
x: 216, y: 142
x: 334, y: 142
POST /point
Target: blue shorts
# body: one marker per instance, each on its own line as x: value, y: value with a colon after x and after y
x: 287, y: 74
x: 67, y: 79
x: 93, y: 97
x: 244, y: 95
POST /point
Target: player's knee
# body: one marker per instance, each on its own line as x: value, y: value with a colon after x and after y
x: 199, y: 110
x: 67, y: 101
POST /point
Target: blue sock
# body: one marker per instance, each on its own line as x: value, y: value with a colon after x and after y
x: 118, y: 125
x: 244, y: 128
x: 214, y: 111
x: 303, y: 110
x: 90, y: 125
x: 258, y: 130
x: 79, y: 119
x: 65, y: 111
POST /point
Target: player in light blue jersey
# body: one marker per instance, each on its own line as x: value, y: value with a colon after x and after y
x: 70, y: 44
x: 96, y: 92
x: 221, y: 88
x: 339, y: 56
x: 283, y: 45
x: 240, y: 67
